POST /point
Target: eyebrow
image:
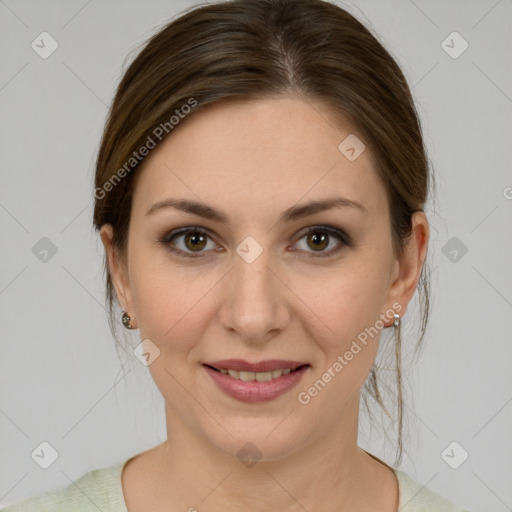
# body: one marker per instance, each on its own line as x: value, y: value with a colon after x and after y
x: 291, y: 214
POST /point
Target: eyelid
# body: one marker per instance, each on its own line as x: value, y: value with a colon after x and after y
x: 344, y: 239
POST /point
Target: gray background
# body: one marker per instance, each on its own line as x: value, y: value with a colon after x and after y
x: 62, y: 380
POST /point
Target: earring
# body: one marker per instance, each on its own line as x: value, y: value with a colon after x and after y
x: 126, y: 320
x: 396, y: 323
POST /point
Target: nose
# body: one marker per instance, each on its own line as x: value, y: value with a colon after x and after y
x: 255, y: 301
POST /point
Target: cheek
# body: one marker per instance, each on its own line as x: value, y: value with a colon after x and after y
x: 349, y: 304
x: 345, y: 301
x: 170, y: 300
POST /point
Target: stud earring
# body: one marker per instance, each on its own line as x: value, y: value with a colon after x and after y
x: 126, y: 320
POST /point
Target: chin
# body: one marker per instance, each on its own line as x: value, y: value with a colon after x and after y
x: 258, y: 440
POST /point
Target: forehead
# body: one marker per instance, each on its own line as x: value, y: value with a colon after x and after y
x: 261, y: 155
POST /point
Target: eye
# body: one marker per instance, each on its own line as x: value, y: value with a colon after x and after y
x: 194, y: 240
x: 318, y: 238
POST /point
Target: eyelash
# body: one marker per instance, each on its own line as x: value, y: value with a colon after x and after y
x: 331, y: 231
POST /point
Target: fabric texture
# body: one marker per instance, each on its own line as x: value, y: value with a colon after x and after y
x: 101, y: 489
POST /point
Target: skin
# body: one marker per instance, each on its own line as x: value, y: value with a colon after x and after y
x: 253, y: 160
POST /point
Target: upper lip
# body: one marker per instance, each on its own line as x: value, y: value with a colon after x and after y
x: 262, y: 366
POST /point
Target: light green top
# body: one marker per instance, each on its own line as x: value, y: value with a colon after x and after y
x: 101, y: 489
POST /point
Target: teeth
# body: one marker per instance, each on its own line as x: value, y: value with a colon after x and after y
x: 259, y: 376
x: 263, y: 376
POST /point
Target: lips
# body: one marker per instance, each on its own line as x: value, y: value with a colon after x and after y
x: 254, y: 387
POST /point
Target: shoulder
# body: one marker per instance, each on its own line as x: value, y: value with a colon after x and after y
x: 414, y: 497
x: 99, y: 489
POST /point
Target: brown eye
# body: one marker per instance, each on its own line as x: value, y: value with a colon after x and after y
x: 318, y: 240
x: 195, y: 241
x: 320, y: 237
x: 192, y: 241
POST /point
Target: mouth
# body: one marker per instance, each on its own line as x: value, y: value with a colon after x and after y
x: 247, y: 376
x: 256, y: 382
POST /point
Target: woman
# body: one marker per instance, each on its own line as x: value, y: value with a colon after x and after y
x: 260, y: 188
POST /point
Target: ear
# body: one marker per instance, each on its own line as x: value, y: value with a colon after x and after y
x: 407, y: 270
x: 118, y: 272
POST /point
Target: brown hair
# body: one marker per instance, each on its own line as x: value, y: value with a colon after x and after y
x: 249, y: 49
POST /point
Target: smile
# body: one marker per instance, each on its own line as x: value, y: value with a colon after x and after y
x: 254, y: 387
x: 259, y: 376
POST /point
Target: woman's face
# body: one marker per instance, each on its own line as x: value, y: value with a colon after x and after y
x: 264, y: 284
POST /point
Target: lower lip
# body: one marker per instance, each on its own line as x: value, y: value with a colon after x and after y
x: 255, y: 391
